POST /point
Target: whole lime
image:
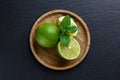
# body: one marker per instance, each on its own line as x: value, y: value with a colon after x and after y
x: 47, y: 35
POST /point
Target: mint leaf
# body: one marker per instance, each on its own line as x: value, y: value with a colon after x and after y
x: 72, y: 29
x: 63, y: 28
x: 64, y: 39
x: 66, y: 21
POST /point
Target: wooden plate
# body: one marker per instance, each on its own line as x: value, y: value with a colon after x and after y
x: 48, y: 56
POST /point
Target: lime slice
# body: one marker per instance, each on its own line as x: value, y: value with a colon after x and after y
x: 72, y: 24
x: 71, y: 52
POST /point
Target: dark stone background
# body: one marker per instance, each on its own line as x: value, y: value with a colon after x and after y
x: 17, y: 61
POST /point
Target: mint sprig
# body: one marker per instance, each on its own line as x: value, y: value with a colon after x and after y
x: 66, y: 28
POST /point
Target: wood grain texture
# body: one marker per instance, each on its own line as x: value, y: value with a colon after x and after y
x: 48, y: 56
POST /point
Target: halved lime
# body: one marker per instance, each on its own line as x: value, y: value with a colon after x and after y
x: 72, y: 24
x: 71, y: 52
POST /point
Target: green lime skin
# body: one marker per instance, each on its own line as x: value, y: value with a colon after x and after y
x: 47, y: 35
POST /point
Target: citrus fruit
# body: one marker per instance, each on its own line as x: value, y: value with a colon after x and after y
x: 71, y: 52
x: 72, y: 24
x: 47, y: 35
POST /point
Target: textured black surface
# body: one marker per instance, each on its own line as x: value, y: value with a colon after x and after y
x: 17, y: 61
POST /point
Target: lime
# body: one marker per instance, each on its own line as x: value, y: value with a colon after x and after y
x: 47, y: 35
x: 71, y: 52
x: 72, y: 24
